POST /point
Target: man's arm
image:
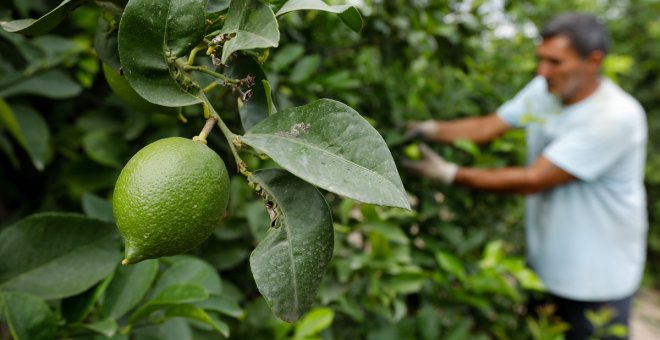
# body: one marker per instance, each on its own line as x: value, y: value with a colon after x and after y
x: 540, y: 176
x: 477, y: 129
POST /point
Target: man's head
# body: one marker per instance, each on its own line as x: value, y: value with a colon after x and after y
x: 573, y: 48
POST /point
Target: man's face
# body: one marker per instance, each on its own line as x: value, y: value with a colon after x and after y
x: 566, y: 73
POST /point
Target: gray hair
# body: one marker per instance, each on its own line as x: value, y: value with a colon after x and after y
x: 584, y: 31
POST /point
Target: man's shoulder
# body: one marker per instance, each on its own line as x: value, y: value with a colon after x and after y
x: 617, y: 101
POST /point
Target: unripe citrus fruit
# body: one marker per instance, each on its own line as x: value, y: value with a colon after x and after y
x: 127, y: 94
x: 169, y: 197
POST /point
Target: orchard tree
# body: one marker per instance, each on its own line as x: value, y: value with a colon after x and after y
x: 167, y: 56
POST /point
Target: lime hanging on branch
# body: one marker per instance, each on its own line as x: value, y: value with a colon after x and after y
x: 169, y: 198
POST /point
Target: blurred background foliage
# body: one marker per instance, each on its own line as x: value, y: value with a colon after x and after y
x: 452, y: 269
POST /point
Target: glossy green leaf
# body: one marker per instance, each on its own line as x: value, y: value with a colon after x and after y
x: 28, y: 317
x: 53, y: 84
x: 289, y: 263
x: 259, y: 105
x: 45, y: 23
x: 128, y: 287
x: 30, y: 131
x: 314, y: 322
x: 198, y: 314
x: 348, y: 14
x: 152, y: 35
x: 190, y: 270
x: 254, y: 25
x: 57, y: 255
x: 328, y: 144
x: 173, y: 295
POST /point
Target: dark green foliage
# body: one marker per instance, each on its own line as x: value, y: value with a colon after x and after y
x: 450, y: 269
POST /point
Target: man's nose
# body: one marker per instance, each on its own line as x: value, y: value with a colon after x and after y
x: 543, y: 69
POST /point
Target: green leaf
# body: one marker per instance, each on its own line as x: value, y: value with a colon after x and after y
x: 222, y: 304
x: 305, y: 68
x: 451, y: 264
x: 217, y: 5
x: 105, y: 148
x: 314, y: 322
x: 105, y: 327
x: 30, y: 131
x: 57, y: 255
x: 173, y: 295
x: 128, y: 287
x: 259, y: 105
x: 53, y: 84
x: 172, y: 329
x: 328, y: 144
x: 97, y: 207
x: 348, y: 14
x: 190, y: 270
x: 289, y: 263
x: 196, y: 313
x: 226, y: 255
x: 105, y: 37
x: 77, y: 307
x: 152, y: 35
x: 45, y: 23
x: 254, y: 26
x: 28, y: 316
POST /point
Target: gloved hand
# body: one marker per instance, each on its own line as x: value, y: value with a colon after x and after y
x: 432, y: 166
x: 424, y: 129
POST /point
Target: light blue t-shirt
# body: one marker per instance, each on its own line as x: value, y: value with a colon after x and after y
x: 586, y: 239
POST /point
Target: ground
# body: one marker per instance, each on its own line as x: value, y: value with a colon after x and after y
x: 645, y: 320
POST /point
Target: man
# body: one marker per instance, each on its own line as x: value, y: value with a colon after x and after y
x: 586, y: 139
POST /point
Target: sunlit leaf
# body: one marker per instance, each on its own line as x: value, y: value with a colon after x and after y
x: 348, y: 14
x: 328, y: 144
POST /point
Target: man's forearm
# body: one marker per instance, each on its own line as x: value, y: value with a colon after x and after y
x: 540, y: 176
x: 477, y: 129
x: 507, y: 180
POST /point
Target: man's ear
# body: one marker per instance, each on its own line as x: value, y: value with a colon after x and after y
x: 596, y: 58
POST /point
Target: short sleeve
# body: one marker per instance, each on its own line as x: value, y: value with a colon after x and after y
x: 589, y: 149
x: 514, y: 110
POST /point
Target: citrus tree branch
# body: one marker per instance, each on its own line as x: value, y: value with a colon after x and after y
x: 232, y: 139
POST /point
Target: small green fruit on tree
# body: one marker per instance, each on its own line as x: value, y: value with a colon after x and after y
x: 169, y: 198
x: 172, y: 194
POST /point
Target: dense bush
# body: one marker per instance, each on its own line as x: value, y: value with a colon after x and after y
x: 452, y: 268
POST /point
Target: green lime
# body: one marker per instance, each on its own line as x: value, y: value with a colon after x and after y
x: 127, y: 94
x: 412, y: 151
x: 169, y: 198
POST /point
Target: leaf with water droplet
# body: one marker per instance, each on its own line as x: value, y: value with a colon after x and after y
x: 289, y: 261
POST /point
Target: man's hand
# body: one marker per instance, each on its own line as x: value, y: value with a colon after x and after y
x: 432, y: 166
x: 426, y: 129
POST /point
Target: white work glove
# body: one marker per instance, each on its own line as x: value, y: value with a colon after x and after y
x: 425, y: 129
x: 432, y: 166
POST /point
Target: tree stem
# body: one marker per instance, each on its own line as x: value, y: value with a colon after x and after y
x: 204, y: 69
x: 210, y: 122
x: 232, y: 139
